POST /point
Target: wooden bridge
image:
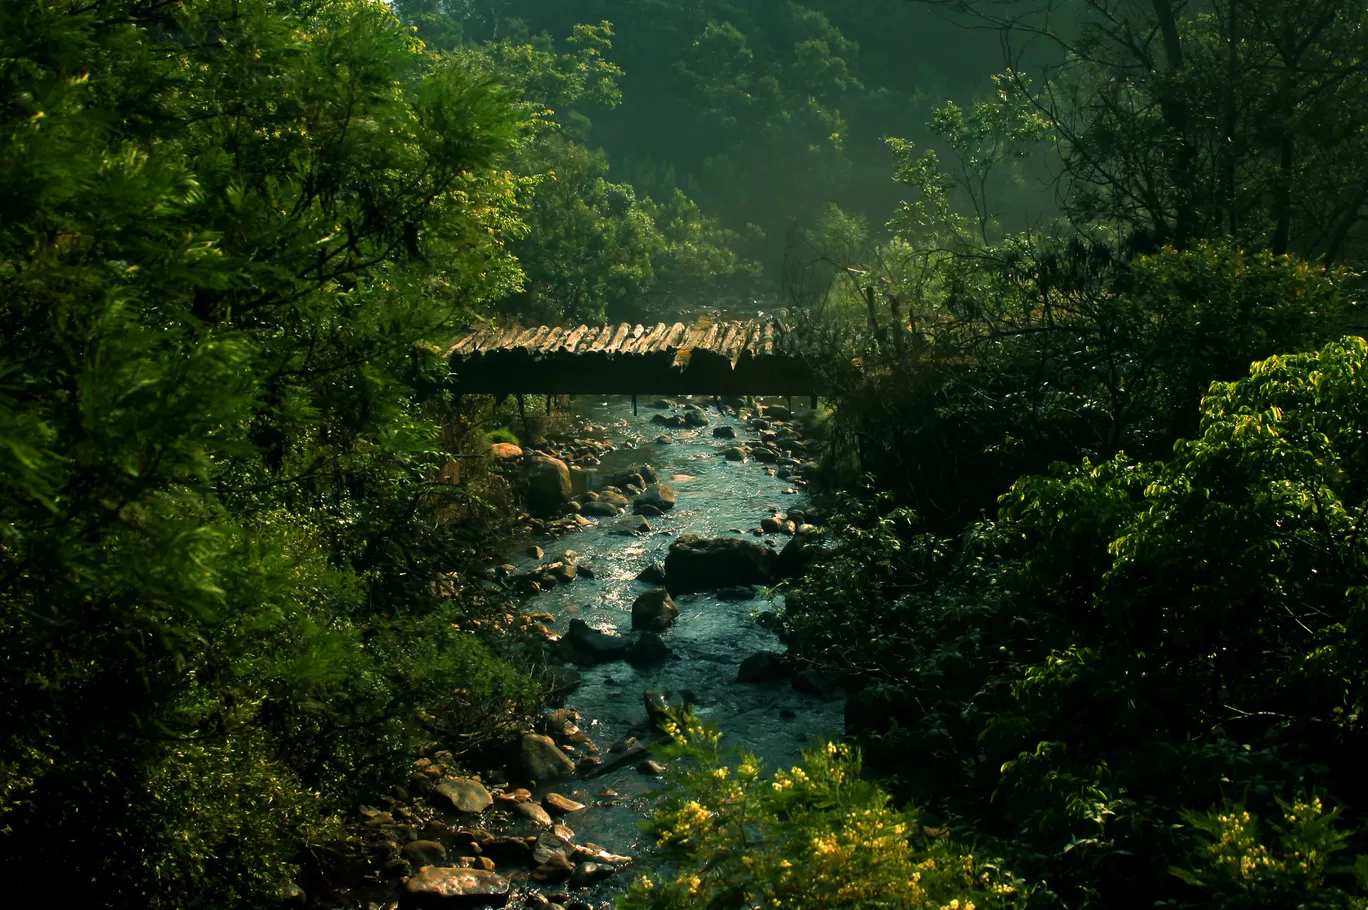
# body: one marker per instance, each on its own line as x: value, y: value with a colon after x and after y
x: 723, y: 358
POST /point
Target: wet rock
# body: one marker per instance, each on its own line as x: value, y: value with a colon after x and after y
x: 701, y: 564
x: 560, y: 805
x: 736, y: 593
x: 424, y: 853
x: 653, y: 574
x: 542, y: 760
x: 663, y: 439
x: 762, y: 667
x: 649, y: 650
x: 505, y: 450
x: 657, y: 703
x: 556, y: 869
x: 586, y: 874
x: 550, y: 844
x: 646, y: 510
x: 642, y: 527
x: 585, y: 571
x: 533, y: 552
x: 548, y: 485
x: 601, y: 509
x: 589, y: 645
x: 764, y: 455
x: 507, y: 851
x: 777, y: 412
x: 639, y: 476
x: 810, y: 682
x: 614, y: 497
x: 466, y: 795
x: 724, y: 432
x: 771, y: 525
x: 654, y: 610
x: 661, y: 404
x: 798, y: 554
x: 658, y: 495
x: 651, y: 767
x: 695, y: 418
x: 435, y: 886
x: 735, y: 453
x: 562, y: 572
x: 533, y: 813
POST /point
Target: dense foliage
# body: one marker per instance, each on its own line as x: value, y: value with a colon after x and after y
x: 1130, y: 644
x: 816, y: 835
x: 231, y: 233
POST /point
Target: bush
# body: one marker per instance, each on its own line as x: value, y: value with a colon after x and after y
x: 1127, y: 643
x: 815, y: 836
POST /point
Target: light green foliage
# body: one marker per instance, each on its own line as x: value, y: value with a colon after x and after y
x: 816, y: 835
x: 235, y: 235
x: 1239, y: 866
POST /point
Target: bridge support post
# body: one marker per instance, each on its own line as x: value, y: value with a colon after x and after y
x: 634, y: 405
x: 812, y: 402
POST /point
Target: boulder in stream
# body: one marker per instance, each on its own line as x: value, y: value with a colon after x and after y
x: 589, y: 645
x: 702, y: 564
x: 724, y: 432
x: 798, y: 554
x: 451, y: 886
x: 542, y: 760
x: 653, y: 574
x: 466, y: 795
x: 654, y: 610
x: 763, y: 667
x: 658, y: 495
x: 650, y: 650
x: 548, y: 485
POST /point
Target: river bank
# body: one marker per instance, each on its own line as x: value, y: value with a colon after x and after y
x: 643, y: 587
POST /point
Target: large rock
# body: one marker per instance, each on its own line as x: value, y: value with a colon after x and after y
x: 724, y: 432
x: 505, y: 450
x: 639, y: 476
x: 589, y: 645
x: 438, y: 886
x: 702, y: 564
x: 548, y: 485
x: 466, y: 795
x: 695, y: 418
x: 658, y: 495
x: 778, y: 412
x: 542, y: 760
x: 650, y: 650
x: 762, y: 667
x: 798, y: 555
x: 653, y: 574
x: 654, y: 610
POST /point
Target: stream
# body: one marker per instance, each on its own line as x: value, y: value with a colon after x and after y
x: 715, y: 497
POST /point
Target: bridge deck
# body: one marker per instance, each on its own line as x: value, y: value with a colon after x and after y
x: 723, y: 358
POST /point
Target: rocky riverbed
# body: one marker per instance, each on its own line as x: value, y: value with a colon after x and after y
x: 651, y: 541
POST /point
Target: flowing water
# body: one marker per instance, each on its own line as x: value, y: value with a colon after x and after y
x: 715, y: 497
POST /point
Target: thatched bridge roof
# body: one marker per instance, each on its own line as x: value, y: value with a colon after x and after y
x: 722, y: 358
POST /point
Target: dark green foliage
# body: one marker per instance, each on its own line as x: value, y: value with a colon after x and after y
x: 232, y: 231
x: 1128, y: 642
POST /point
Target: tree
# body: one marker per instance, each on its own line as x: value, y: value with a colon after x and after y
x: 233, y: 234
x: 1177, y: 122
